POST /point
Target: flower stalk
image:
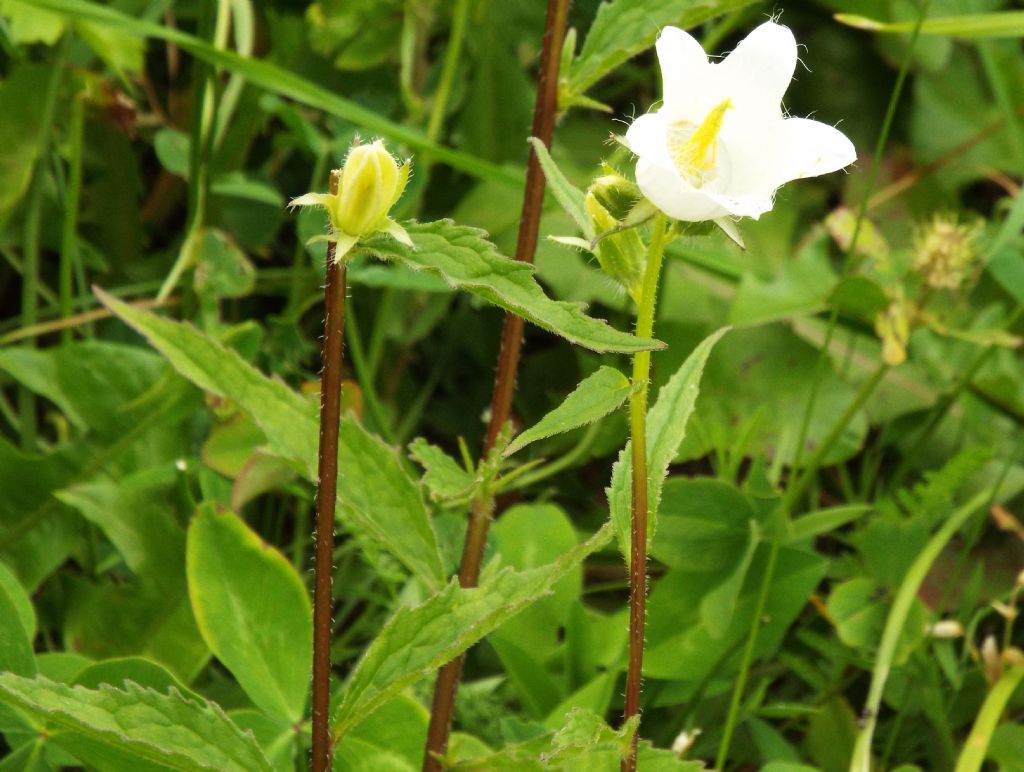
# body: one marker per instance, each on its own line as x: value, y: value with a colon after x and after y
x: 482, y: 509
x: 326, y: 493
x: 638, y: 521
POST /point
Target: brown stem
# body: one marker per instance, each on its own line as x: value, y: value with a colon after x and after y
x: 545, y: 109
x: 326, y: 492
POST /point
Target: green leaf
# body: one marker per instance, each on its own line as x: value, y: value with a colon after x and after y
x: 417, y: 641
x: 253, y: 611
x: 21, y: 134
x: 666, y: 428
x: 1005, y: 24
x: 624, y: 28
x: 823, y: 521
x: 1007, y: 268
x: 596, y: 396
x: 165, y: 730
x: 444, y: 477
x: 568, y: 195
x: 279, y: 80
x: 16, y: 653
x: 464, y: 258
x: 26, y: 613
x: 377, y: 498
x: 374, y: 493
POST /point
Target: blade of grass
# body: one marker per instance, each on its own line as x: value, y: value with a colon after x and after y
x: 973, y: 754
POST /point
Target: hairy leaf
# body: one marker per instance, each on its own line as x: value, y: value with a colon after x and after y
x: 253, y: 611
x: 568, y: 195
x: 666, y: 428
x: 596, y: 396
x: 373, y: 490
x: 444, y: 477
x: 165, y: 730
x: 464, y: 258
x: 416, y: 641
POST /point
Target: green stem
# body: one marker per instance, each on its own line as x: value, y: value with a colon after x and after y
x: 460, y: 15
x: 69, y: 233
x: 973, y: 754
x: 556, y: 466
x: 638, y: 522
x: 897, y: 619
x: 30, y: 260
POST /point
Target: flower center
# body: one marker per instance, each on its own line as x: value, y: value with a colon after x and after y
x: 693, y: 150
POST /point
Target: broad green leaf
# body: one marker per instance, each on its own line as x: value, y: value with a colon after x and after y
x: 21, y: 134
x: 374, y: 493
x: 624, y: 28
x: 1005, y: 24
x: 253, y: 610
x: 288, y: 419
x: 31, y: 25
x: 137, y: 670
x: 464, y: 258
x: 1007, y: 268
x: 666, y: 428
x: 596, y: 396
x: 568, y: 195
x: 16, y: 653
x: 159, y: 730
x: 416, y: 641
x: 285, y: 83
x: 395, y: 733
x: 377, y: 498
x: 444, y: 477
x: 26, y: 612
x: 824, y: 520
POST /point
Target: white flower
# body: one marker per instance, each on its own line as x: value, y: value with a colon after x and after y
x: 720, y: 146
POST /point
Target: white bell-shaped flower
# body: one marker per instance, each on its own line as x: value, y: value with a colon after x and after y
x: 719, y: 146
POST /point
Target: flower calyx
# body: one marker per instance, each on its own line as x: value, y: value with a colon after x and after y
x: 370, y: 183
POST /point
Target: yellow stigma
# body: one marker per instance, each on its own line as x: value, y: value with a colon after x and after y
x: 693, y: 152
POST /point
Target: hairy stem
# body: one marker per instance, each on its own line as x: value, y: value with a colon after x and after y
x: 326, y: 492
x: 638, y: 521
x: 448, y: 677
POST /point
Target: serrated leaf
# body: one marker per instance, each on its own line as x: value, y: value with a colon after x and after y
x: 165, y: 730
x: 666, y: 428
x: 373, y: 490
x: 624, y: 28
x: 596, y: 396
x: 377, y: 498
x: 444, y: 477
x: 568, y: 195
x: 253, y: 611
x: 465, y: 259
x: 416, y: 641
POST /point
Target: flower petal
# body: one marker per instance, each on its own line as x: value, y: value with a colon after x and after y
x: 666, y: 190
x: 808, y: 148
x: 684, y: 68
x: 758, y: 71
x: 647, y: 138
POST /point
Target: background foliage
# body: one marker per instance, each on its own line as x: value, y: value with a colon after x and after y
x: 156, y: 491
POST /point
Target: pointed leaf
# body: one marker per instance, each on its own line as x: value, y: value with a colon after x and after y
x: 443, y: 475
x: 253, y: 611
x: 464, y: 258
x: 416, y: 641
x: 161, y: 730
x: 666, y: 428
x: 568, y: 195
x: 596, y: 396
x: 373, y: 490
x: 377, y: 498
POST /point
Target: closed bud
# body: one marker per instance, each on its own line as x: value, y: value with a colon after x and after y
x: 947, y: 628
x: 370, y: 183
x: 620, y: 254
x: 616, y: 194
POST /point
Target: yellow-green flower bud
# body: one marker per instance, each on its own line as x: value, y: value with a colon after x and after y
x: 371, y: 182
x: 621, y: 254
x: 616, y: 194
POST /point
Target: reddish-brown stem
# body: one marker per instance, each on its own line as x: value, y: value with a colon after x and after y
x: 326, y: 491
x: 545, y: 110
